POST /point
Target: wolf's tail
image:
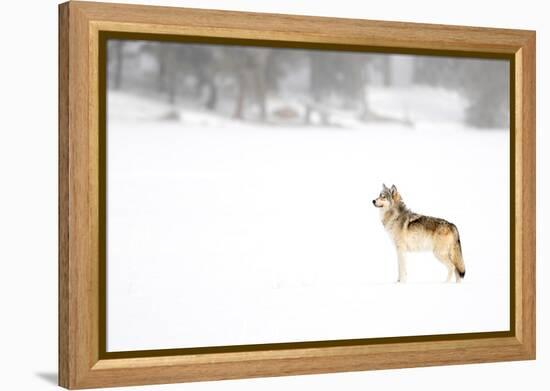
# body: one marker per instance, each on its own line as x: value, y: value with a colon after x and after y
x: 456, y: 254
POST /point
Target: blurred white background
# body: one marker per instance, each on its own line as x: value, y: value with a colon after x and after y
x: 269, y: 220
x: 28, y: 156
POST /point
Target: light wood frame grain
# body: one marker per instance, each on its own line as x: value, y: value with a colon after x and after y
x: 82, y: 359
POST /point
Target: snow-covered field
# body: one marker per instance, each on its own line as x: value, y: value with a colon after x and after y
x: 223, y: 233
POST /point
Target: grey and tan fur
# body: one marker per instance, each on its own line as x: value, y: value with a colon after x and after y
x: 414, y: 232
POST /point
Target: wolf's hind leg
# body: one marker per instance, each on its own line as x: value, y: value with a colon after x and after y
x: 445, y: 259
x: 450, y: 271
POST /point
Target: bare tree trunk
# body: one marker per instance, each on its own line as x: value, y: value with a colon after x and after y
x: 161, y: 75
x: 241, y: 85
x: 171, y: 73
x: 307, y: 115
x: 264, y: 61
x: 364, y: 95
x: 208, y: 83
x: 119, y: 64
x: 261, y: 93
x: 212, y: 101
x: 314, y: 77
x: 172, y: 89
x: 386, y: 70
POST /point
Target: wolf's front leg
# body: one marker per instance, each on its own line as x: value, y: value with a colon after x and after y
x: 402, y: 266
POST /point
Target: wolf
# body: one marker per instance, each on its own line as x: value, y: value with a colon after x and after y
x: 410, y: 231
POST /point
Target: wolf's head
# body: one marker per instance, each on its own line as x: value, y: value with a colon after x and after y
x: 387, y: 198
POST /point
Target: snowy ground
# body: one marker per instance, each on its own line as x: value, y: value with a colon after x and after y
x: 223, y: 233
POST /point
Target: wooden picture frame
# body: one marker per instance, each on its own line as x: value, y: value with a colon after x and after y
x: 83, y: 361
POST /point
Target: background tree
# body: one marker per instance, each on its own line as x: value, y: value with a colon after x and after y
x: 484, y: 83
x: 116, y: 55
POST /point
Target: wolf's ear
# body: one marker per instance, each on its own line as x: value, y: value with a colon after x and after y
x: 384, y: 187
x: 395, y: 194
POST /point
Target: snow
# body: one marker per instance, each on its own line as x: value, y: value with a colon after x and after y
x: 226, y: 233
x: 420, y: 103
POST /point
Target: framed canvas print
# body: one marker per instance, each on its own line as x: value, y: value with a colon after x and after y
x: 247, y: 195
